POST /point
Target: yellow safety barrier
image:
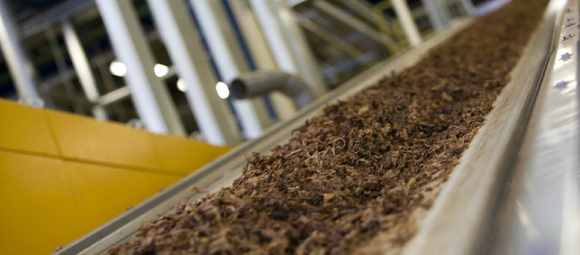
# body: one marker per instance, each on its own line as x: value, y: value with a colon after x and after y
x: 62, y: 175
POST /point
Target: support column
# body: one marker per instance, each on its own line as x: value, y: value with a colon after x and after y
x: 283, y: 105
x: 469, y: 7
x: 437, y: 13
x: 406, y: 18
x: 150, y: 95
x: 230, y: 62
x: 287, y: 43
x: 21, y: 68
x: 82, y: 68
x: 213, y: 116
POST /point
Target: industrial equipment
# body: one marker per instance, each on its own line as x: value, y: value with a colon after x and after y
x: 529, y: 143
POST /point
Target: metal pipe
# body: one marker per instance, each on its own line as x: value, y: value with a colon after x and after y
x: 349, y: 20
x: 258, y: 47
x: 230, y: 61
x: 62, y: 67
x: 406, y: 18
x: 20, y: 66
x: 254, y: 84
x: 469, y: 7
x: 152, y: 100
x: 214, y: 118
x: 82, y: 68
x: 287, y: 43
x: 437, y: 13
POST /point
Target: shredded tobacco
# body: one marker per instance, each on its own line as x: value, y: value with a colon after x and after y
x: 363, y: 167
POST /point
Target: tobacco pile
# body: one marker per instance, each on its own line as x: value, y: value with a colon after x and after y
x: 364, y: 166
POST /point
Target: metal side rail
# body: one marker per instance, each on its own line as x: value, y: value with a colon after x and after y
x: 227, y: 168
x: 464, y: 218
x: 540, y: 213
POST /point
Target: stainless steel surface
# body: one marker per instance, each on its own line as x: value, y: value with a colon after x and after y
x: 463, y: 215
x: 222, y: 172
x: 540, y: 213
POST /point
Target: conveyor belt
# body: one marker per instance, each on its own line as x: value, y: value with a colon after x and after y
x: 492, y: 151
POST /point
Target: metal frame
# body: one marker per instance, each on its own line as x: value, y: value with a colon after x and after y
x: 62, y: 68
x: 462, y: 219
x: 350, y: 21
x: 82, y: 68
x: 283, y: 105
x: 543, y: 208
x: 287, y: 43
x: 406, y: 19
x: 21, y: 69
x: 214, y: 118
x: 230, y: 61
x: 150, y: 95
x: 224, y: 170
x: 437, y: 13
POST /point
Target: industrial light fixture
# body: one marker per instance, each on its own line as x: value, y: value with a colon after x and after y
x: 160, y: 70
x: 181, y: 85
x: 222, y: 90
x: 117, y: 68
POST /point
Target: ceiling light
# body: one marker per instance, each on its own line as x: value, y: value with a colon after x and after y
x: 118, y: 68
x: 181, y: 85
x: 222, y: 90
x: 160, y: 70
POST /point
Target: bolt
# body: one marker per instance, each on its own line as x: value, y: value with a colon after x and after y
x: 570, y: 10
x: 569, y: 24
x: 566, y: 37
x: 566, y: 56
x: 561, y: 84
x: 570, y: 19
x: 129, y: 208
x: 58, y: 248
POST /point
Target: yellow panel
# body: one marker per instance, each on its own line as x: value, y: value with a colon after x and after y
x: 87, y: 139
x: 37, y: 210
x: 105, y: 192
x: 24, y: 128
x: 184, y: 155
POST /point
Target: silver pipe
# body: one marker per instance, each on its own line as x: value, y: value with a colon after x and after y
x: 253, y: 84
x: 21, y: 68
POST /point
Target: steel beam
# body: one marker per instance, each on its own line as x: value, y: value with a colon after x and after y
x: 152, y: 100
x: 287, y: 43
x: 213, y: 116
x: 437, y: 13
x: 349, y: 20
x: 407, y: 22
x: 82, y: 68
x: 469, y: 7
x: 62, y: 68
x: 230, y: 62
x: 283, y: 105
x: 21, y: 68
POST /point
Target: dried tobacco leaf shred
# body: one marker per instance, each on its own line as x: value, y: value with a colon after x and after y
x: 365, y: 165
